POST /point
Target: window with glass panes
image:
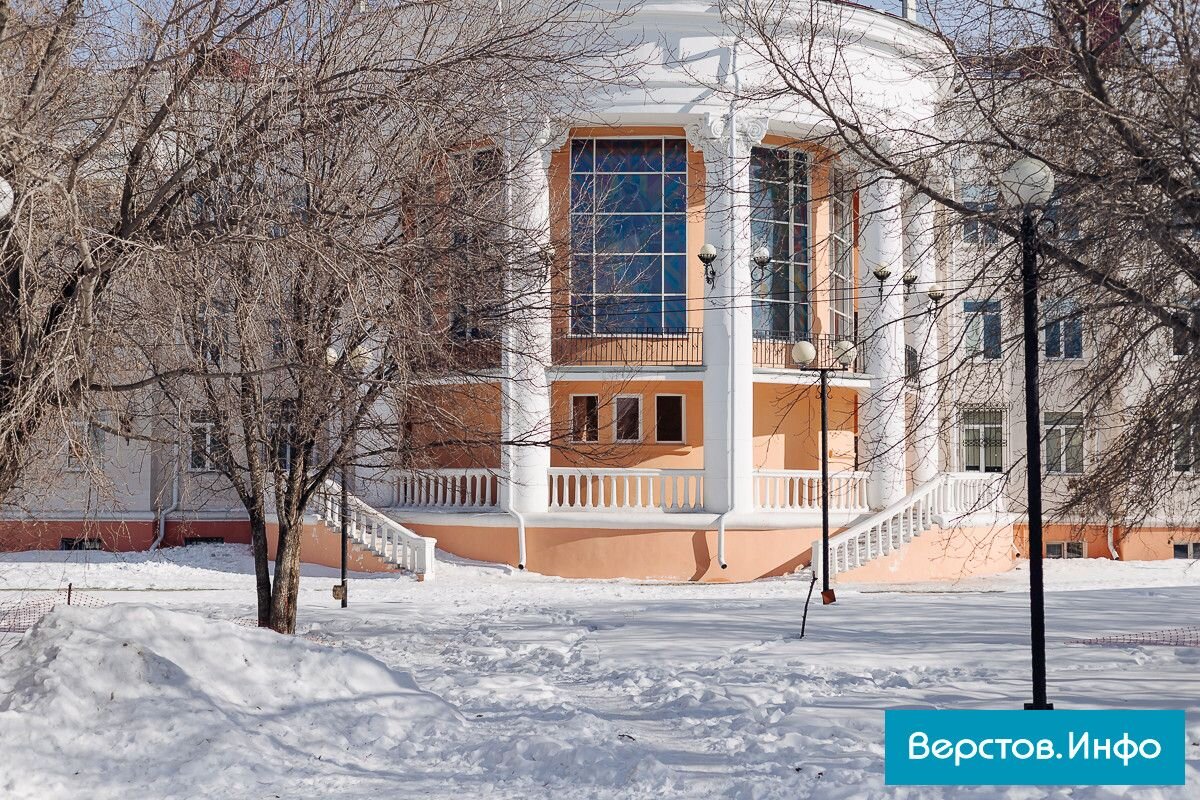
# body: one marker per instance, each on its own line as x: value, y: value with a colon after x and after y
x: 1185, y: 445
x: 979, y: 200
x: 779, y: 222
x: 982, y: 336
x: 1064, y: 330
x: 628, y: 235
x: 841, y: 254
x: 1064, y: 442
x: 981, y: 431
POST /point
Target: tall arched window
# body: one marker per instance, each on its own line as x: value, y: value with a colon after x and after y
x: 628, y: 235
x: 779, y: 221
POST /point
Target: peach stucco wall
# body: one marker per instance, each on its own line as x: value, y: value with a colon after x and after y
x: 679, y: 555
x: 320, y: 544
x: 787, y: 424
x: 941, y: 554
x: 649, y: 453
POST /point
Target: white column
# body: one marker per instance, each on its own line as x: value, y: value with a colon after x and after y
x: 920, y: 259
x: 525, y: 390
x: 882, y: 328
x: 728, y: 321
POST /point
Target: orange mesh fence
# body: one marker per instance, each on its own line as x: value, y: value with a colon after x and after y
x: 21, y: 615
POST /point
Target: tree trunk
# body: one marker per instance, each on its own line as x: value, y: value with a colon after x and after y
x: 262, y: 567
x: 287, y: 574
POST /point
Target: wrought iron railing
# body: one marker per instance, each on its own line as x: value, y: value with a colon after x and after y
x: 774, y: 350
x: 683, y: 347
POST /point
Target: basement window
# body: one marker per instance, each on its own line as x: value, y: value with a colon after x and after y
x: 203, y: 540
x: 1064, y: 549
x: 79, y: 543
x: 1189, y: 550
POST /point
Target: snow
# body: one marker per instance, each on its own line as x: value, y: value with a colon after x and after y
x: 492, y: 683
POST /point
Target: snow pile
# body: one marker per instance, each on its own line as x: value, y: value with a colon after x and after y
x: 182, y: 706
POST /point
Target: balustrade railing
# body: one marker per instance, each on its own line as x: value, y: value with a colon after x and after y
x: 375, y: 531
x: 800, y: 490
x: 461, y: 489
x: 950, y: 495
x: 626, y: 489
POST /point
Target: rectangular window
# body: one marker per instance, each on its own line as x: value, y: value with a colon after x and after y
x: 627, y: 416
x: 202, y: 442
x: 982, y: 435
x: 1064, y: 331
x: 1185, y: 446
x: 982, y: 202
x: 1188, y: 550
x: 982, y: 328
x: 585, y: 418
x: 84, y: 441
x: 668, y: 418
x: 779, y: 222
x: 283, y: 434
x: 841, y: 254
x: 1064, y: 442
x: 628, y: 236
x: 1181, y: 342
x: 81, y: 543
x: 1065, y: 550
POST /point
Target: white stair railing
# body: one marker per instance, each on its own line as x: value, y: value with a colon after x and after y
x: 800, y: 490
x: 948, y: 498
x: 376, y: 532
x: 448, y: 488
x: 626, y: 489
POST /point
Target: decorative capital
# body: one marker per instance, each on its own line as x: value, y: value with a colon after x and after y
x: 710, y: 135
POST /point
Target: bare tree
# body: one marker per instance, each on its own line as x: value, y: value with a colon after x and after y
x: 1101, y: 91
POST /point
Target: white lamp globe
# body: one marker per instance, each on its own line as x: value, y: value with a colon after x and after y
x: 803, y: 353
x: 331, y: 355
x: 1028, y: 182
x: 845, y: 352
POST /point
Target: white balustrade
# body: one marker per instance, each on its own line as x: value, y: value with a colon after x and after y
x: 800, y: 490
x: 377, y: 532
x: 626, y: 489
x: 950, y: 496
x: 448, y: 488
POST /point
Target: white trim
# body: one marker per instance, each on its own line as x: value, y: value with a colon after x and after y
x: 683, y: 420
x: 640, y: 419
x: 627, y: 519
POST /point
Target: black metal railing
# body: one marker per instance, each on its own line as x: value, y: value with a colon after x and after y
x: 774, y: 350
x: 683, y: 347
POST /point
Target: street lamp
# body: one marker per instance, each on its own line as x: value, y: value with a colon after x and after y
x: 805, y: 355
x: 358, y: 360
x: 1028, y: 184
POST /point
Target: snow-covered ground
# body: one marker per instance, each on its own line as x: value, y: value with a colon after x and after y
x: 488, y: 683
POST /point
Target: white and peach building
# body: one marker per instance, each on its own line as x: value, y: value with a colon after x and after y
x: 657, y: 425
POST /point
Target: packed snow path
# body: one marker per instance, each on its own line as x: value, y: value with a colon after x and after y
x: 566, y: 689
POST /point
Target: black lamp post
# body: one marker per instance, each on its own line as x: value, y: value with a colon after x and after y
x: 805, y: 355
x: 357, y: 361
x: 1029, y: 184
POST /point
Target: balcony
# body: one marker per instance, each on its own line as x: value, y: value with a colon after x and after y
x: 682, y: 348
x: 774, y: 350
x: 637, y: 490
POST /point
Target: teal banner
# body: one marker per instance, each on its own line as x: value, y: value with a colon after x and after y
x: 1034, y: 748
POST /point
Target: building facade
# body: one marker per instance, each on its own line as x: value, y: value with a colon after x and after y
x: 654, y: 422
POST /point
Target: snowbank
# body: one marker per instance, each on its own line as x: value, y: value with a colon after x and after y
x: 178, y: 705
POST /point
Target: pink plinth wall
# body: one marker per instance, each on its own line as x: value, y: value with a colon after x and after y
x: 941, y: 554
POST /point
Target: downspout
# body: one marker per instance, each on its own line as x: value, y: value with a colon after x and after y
x: 175, y: 478
x: 732, y: 251
x: 1112, y: 548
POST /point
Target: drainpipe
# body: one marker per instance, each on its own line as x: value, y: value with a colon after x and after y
x: 732, y: 255
x: 1112, y: 549
x: 162, y: 513
x: 520, y: 518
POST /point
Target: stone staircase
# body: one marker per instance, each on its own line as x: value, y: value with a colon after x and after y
x: 375, y: 532
x: 947, y: 499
